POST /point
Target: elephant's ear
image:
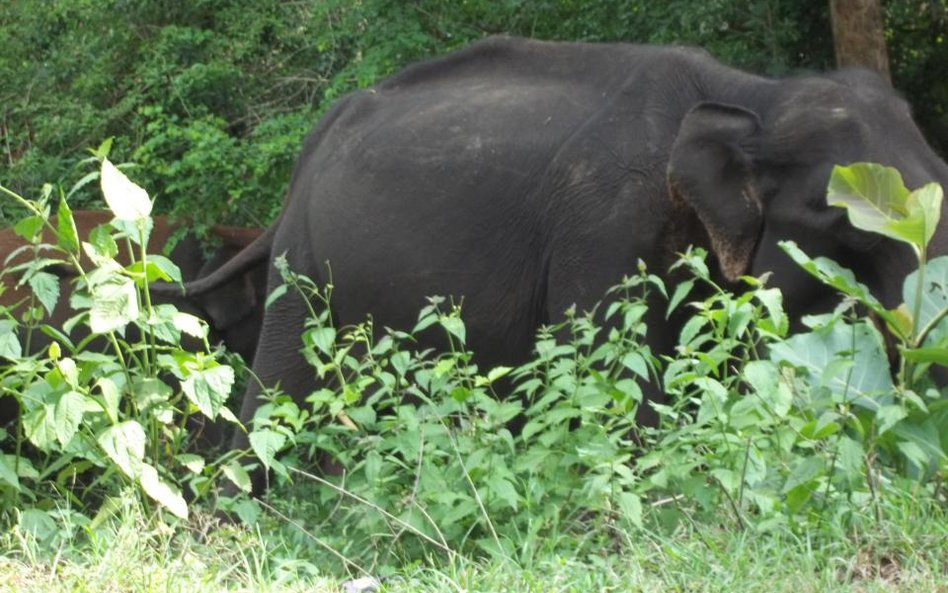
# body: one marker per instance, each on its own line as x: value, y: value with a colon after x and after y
x: 711, y: 171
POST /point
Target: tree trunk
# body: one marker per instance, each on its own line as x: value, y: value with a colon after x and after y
x: 858, y: 36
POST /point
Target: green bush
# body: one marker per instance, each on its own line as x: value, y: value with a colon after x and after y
x: 94, y: 420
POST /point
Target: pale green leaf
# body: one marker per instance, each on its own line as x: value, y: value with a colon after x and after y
x: 114, y: 304
x: 8, y: 471
x: 68, y: 235
x: 208, y: 389
x: 125, y: 199
x: 10, y: 347
x: 124, y: 443
x: 631, y: 507
x: 68, y: 415
x: 46, y: 288
x: 454, y: 326
x: 190, y: 324
x: 162, y: 492
x: 238, y: 475
x: 266, y: 444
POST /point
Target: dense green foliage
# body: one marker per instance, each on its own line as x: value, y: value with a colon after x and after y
x: 816, y: 433
x: 212, y: 98
x: 94, y: 418
x: 810, y: 434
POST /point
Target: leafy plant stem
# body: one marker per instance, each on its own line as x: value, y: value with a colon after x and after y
x: 151, y: 353
x: 376, y: 508
x: 474, y: 491
x: 315, y: 538
x: 740, y: 488
x: 916, y: 310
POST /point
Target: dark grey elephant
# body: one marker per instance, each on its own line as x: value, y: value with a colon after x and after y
x: 527, y: 176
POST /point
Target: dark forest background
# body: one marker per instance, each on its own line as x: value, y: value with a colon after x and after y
x: 211, y: 98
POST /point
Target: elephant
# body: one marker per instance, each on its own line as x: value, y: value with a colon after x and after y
x: 526, y: 177
x: 236, y: 306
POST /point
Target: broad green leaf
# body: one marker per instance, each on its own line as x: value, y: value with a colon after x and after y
x: 238, y: 475
x: 454, y: 326
x: 114, y: 304
x: 764, y: 377
x: 934, y: 298
x: 165, y: 494
x: 888, y: 416
x: 498, y: 372
x: 713, y: 399
x: 111, y: 397
x: 877, y: 200
x: 935, y: 355
x: 46, y: 288
x: 40, y: 426
x: 914, y: 453
x: 38, y: 523
x: 804, y: 470
x: 8, y: 471
x: 266, y: 444
x: 101, y: 239
x: 504, y: 490
x: 125, y: 445
x: 69, y: 371
x: 278, y: 292
x: 190, y: 324
x: 247, y: 510
x: 157, y: 267
x: 631, y: 507
x: 10, y: 347
x: 69, y: 408
x: 323, y: 338
x: 864, y: 379
x: 836, y: 276
x: 125, y: 199
x: 194, y: 463
x: 208, y: 389
x: 772, y: 300
x: 138, y: 231
x: 681, y: 291
x: 924, y: 208
x: 635, y: 362
x: 927, y: 437
x: 29, y: 227
x: 68, y: 235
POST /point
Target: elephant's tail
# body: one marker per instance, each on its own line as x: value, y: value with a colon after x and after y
x: 249, y: 256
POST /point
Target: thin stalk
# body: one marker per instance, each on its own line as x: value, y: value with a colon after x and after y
x: 907, y: 366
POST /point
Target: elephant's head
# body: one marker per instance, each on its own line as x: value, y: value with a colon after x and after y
x: 755, y: 176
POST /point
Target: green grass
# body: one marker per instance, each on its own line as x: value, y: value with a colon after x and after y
x: 908, y: 553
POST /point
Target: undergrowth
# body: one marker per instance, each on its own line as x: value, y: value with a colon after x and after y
x: 764, y: 434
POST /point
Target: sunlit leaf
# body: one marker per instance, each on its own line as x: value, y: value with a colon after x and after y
x: 190, y: 324
x: 266, y: 444
x: 208, y: 389
x: 46, y: 288
x: 124, y: 443
x: 114, y: 304
x: 934, y: 298
x: 29, y: 227
x: 162, y: 492
x: 865, y: 379
x: 238, y: 475
x: 125, y: 199
x: 877, y: 200
x: 10, y: 346
x: 68, y: 415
